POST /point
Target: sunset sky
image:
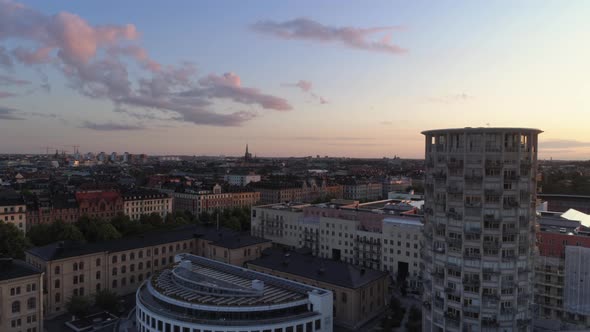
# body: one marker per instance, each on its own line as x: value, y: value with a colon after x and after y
x: 290, y: 78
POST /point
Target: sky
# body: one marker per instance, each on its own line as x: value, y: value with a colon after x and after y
x: 290, y: 78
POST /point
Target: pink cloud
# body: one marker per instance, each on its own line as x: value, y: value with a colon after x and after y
x: 95, y: 58
x: 378, y: 39
x: 306, y: 86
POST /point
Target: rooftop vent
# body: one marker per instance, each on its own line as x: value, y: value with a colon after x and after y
x: 258, y: 285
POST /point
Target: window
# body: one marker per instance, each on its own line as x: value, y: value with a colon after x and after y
x: 75, y: 266
x: 140, y: 266
x: 81, y: 266
x: 56, y: 270
x: 344, y: 299
x: 57, y: 297
x: 114, y: 271
x: 75, y: 280
x: 98, y: 287
x: 114, y: 259
x: 31, y: 303
x: 98, y: 262
x: 131, y: 256
x: 123, y: 269
x: 56, y: 283
x: 15, y: 307
x: 140, y: 254
x: 97, y: 275
x: 123, y: 257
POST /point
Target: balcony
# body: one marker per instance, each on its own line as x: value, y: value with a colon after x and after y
x: 510, y: 204
x: 471, y: 255
x: 472, y: 230
x: 509, y: 231
x: 491, y: 218
x: 490, y: 297
x: 439, y: 176
x: 452, y: 320
x: 470, y: 308
x: 452, y: 291
x: 471, y: 282
x: 473, y: 178
x: 511, y: 177
x: 439, y: 303
x: 493, y: 192
x: 489, y: 323
x: 491, y: 245
x: 454, y: 190
x: 454, y: 215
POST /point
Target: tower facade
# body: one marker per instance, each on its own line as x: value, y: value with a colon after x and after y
x: 479, y: 230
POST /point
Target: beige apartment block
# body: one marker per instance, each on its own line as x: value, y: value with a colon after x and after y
x: 143, y: 202
x: 21, y: 294
x: 13, y: 210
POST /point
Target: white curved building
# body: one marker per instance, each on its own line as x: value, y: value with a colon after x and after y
x: 197, y: 294
x: 479, y: 230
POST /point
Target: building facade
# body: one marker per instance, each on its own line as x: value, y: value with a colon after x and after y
x: 561, y: 290
x: 241, y: 179
x: 363, y: 190
x: 139, y: 202
x: 199, y: 294
x: 359, y: 294
x: 100, y: 204
x: 21, y: 297
x: 210, y: 202
x: 479, y: 231
x: 122, y: 265
x: 13, y: 210
x: 308, y: 190
x: 47, y: 210
x: 349, y: 232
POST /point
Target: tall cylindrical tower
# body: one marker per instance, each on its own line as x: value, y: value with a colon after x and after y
x: 479, y: 232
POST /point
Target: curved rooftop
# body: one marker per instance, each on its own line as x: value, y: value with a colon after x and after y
x: 480, y: 130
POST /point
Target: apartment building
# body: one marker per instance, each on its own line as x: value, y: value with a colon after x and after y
x: 479, y: 231
x: 359, y: 294
x: 241, y: 179
x: 21, y: 297
x: 363, y: 190
x: 297, y: 191
x: 13, y: 210
x: 45, y: 209
x: 138, y: 202
x: 561, y: 288
x: 370, y: 235
x: 121, y: 265
x: 211, y: 201
x: 100, y: 204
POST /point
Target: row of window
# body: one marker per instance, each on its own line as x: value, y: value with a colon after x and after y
x: 31, y: 304
x: 80, y: 265
x: 18, y: 323
x: 17, y: 290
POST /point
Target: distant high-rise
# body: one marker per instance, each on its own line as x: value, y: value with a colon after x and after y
x: 247, y: 155
x: 479, y: 232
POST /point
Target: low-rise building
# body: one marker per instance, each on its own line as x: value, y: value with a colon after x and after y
x: 360, y: 294
x: 121, y: 265
x: 140, y: 202
x: 200, y: 294
x: 13, y: 210
x: 21, y: 297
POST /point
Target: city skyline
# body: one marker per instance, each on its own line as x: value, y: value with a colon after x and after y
x: 294, y: 79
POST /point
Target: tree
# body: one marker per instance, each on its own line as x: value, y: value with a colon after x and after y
x: 12, y: 241
x: 107, y: 300
x: 97, y: 230
x: 78, y: 306
x: 38, y: 235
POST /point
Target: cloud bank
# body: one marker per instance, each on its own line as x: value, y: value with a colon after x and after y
x: 376, y: 39
x: 96, y: 61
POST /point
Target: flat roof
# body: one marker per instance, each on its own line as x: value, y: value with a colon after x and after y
x: 199, y: 280
x: 479, y: 130
x: 316, y: 268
